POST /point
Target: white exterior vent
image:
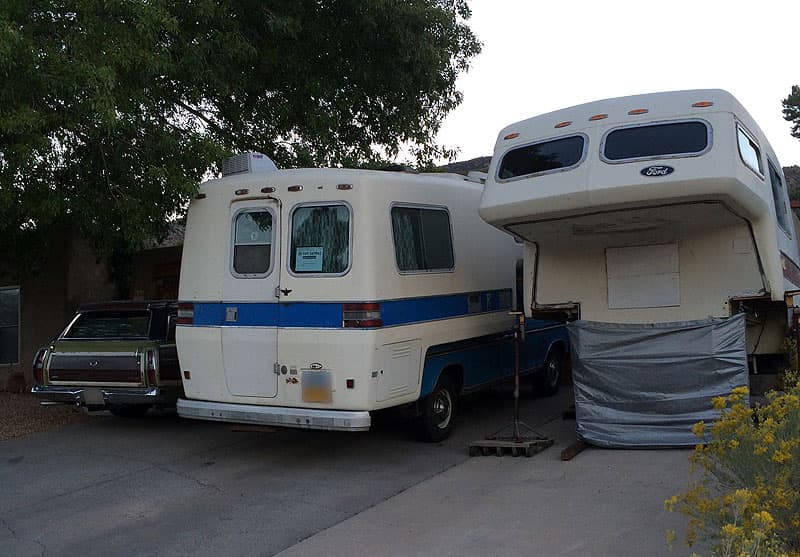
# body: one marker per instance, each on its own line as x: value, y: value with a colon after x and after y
x: 246, y: 163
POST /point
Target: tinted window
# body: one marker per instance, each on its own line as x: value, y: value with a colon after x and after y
x: 9, y: 325
x: 252, y: 242
x: 320, y: 239
x: 422, y: 239
x: 111, y: 324
x: 749, y: 151
x: 541, y: 157
x: 658, y: 140
x: 777, y: 196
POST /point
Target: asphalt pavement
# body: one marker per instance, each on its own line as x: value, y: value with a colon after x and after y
x: 166, y: 486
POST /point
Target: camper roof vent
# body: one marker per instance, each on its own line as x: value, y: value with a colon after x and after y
x: 246, y: 163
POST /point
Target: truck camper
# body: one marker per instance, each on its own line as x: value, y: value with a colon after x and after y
x: 312, y: 297
x: 654, y: 209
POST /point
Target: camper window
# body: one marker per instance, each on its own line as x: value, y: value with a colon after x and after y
x: 778, y: 198
x: 252, y: 242
x: 422, y: 239
x: 320, y: 239
x: 546, y: 156
x: 664, y: 140
x: 749, y: 151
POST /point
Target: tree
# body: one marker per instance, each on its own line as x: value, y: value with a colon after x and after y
x: 791, y: 110
x: 113, y: 110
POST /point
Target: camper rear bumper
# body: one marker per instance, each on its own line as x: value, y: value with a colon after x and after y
x: 305, y: 418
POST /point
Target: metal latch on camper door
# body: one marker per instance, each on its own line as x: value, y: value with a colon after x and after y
x: 284, y: 291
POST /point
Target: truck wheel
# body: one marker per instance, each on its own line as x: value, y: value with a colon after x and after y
x: 438, y: 411
x: 546, y: 381
x: 129, y: 411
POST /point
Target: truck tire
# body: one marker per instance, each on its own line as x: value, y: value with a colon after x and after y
x: 546, y: 381
x: 438, y: 411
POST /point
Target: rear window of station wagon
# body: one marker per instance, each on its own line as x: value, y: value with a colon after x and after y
x: 672, y: 139
x: 545, y: 156
x: 116, y: 324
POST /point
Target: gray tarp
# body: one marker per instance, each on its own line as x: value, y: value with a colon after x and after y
x: 645, y: 385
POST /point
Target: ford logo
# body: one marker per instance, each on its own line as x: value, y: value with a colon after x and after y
x: 657, y: 170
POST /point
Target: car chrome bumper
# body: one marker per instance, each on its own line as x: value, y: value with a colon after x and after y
x: 95, y: 397
x: 306, y: 418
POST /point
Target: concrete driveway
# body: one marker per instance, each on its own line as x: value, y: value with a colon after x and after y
x: 166, y: 486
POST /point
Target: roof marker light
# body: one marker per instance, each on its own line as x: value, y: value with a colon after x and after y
x: 268, y: 189
x: 243, y: 191
x: 511, y: 136
x: 344, y: 187
x: 200, y: 196
x: 295, y: 188
x: 638, y: 111
x: 702, y: 104
x: 563, y: 124
x: 598, y: 117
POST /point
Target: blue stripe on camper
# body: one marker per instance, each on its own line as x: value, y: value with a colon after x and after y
x: 328, y: 315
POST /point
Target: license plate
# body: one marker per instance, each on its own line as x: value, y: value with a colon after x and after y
x: 316, y: 386
x: 93, y: 397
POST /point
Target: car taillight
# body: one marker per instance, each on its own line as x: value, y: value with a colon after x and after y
x: 185, y: 313
x: 150, y: 366
x: 38, y: 366
x: 362, y: 315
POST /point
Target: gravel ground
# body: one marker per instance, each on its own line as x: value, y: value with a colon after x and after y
x: 21, y: 414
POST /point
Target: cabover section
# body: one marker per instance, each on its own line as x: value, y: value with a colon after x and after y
x: 321, y: 290
x: 650, y: 208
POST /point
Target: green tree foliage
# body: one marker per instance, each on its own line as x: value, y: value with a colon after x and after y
x: 111, y: 111
x: 791, y: 110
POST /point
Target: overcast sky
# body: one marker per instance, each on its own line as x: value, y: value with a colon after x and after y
x: 542, y: 56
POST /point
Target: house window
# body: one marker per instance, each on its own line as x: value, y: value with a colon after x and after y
x: 252, y: 243
x: 9, y: 325
x: 422, y: 239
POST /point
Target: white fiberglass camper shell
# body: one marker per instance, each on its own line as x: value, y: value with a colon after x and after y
x: 656, y: 208
x: 311, y: 297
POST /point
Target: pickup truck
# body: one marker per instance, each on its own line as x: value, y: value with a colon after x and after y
x: 116, y: 356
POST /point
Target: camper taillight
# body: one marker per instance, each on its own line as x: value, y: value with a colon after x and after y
x: 362, y: 315
x: 150, y: 360
x: 185, y: 313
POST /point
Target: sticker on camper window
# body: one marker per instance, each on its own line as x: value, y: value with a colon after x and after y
x: 308, y: 260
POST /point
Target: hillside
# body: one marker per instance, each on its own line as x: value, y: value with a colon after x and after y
x: 792, y: 174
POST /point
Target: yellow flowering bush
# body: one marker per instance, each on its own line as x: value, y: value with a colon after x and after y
x: 746, y: 501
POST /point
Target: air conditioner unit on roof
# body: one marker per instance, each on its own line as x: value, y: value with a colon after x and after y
x: 246, y: 163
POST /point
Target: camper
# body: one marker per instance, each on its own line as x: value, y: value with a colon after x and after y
x: 310, y: 298
x: 651, y: 209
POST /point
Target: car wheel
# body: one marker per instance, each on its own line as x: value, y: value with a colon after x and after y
x: 129, y: 411
x: 438, y: 411
x: 546, y: 381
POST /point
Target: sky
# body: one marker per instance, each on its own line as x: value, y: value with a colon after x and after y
x: 543, y: 56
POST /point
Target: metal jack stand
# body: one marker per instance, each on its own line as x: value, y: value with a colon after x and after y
x: 522, y: 439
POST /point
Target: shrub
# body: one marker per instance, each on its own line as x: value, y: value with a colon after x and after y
x: 747, y: 499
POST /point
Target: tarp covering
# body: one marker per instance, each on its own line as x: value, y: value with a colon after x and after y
x: 645, y: 385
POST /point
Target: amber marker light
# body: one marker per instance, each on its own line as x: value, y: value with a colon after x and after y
x: 243, y: 191
x: 563, y: 124
x: 638, y: 111
x: 268, y: 189
x: 702, y: 104
x: 511, y: 136
x: 295, y: 188
x: 598, y: 117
